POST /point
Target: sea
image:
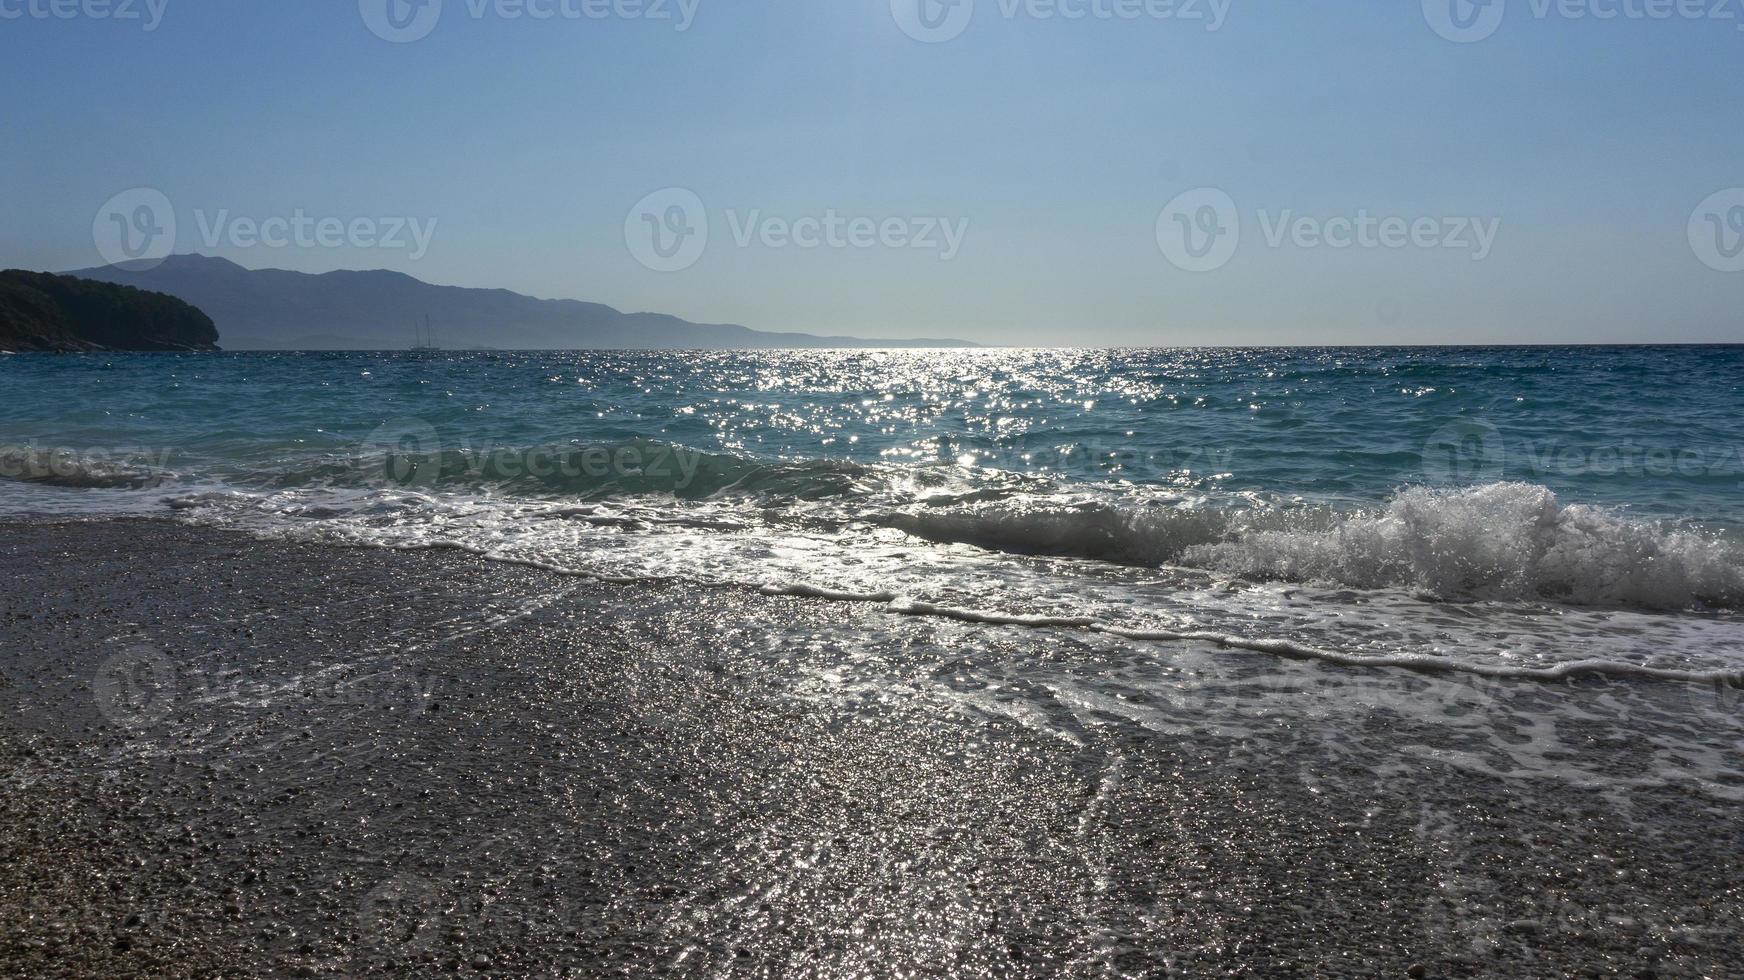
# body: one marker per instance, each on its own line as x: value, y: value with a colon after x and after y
x: 1508, y: 508
x: 1524, y: 515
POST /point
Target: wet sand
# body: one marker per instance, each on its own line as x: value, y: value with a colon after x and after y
x: 221, y: 755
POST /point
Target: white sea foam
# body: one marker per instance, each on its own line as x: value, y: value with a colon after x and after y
x: 1509, y: 541
x: 651, y: 541
x: 1545, y: 591
x: 1501, y: 541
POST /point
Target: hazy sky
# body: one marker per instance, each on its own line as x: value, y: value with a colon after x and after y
x: 1020, y: 176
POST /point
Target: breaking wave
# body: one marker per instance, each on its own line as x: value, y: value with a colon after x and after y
x: 1509, y: 541
x: 1501, y: 541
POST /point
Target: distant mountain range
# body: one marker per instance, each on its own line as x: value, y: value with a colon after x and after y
x: 272, y: 309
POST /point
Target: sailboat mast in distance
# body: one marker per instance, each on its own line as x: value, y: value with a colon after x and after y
x: 425, y: 340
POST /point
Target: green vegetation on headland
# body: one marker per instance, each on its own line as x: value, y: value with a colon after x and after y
x: 44, y: 312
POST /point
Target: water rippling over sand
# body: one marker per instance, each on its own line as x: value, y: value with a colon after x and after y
x: 1532, y: 513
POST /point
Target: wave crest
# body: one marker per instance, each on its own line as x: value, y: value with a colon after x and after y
x: 1500, y: 541
x: 1510, y: 541
x: 1131, y: 535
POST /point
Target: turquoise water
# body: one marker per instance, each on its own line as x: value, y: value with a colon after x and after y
x: 1522, y: 507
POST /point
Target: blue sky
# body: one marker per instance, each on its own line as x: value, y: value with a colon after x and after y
x: 1055, y: 146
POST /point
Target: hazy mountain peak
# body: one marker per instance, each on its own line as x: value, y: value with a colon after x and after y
x: 194, y: 261
x: 380, y: 309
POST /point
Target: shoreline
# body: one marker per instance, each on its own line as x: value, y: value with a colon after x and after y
x: 225, y: 753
